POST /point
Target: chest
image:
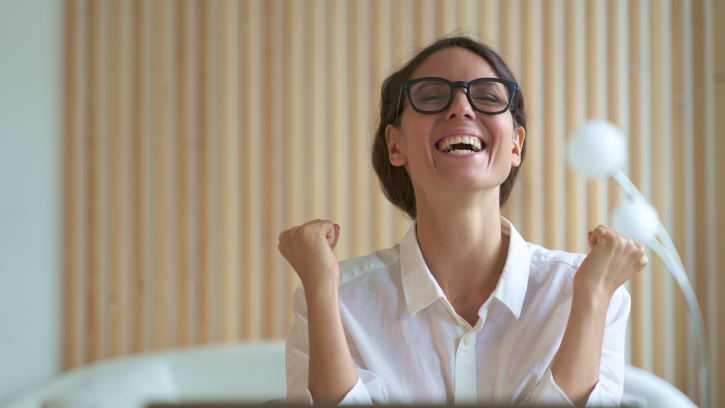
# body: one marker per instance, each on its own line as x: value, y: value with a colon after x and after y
x: 468, y: 308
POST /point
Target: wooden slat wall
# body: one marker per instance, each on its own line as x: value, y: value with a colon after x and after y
x: 197, y: 130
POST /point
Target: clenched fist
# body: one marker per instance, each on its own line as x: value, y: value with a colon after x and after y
x: 308, y: 248
x: 613, y: 260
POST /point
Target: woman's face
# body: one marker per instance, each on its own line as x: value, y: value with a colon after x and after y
x: 415, y: 144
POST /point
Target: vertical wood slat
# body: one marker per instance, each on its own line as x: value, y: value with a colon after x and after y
x: 575, y: 113
x: 688, y: 257
x: 294, y: 137
x: 425, y: 23
x: 139, y: 137
x: 403, y: 31
x: 596, y: 103
x: 711, y: 205
x: 552, y: 114
x: 618, y: 83
x: 704, y: 136
x: 617, y: 100
x: 201, y: 135
x: 94, y: 184
x: 510, y: 50
x: 661, y: 180
x: 181, y: 336
x: 678, y: 181
x: 316, y: 69
x: 337, y: 116
x: 189, y: 140
x: 380, y: 61
x: 229, y: 152
x: 466, y: 14
x: 717, y: 35
x: 446, y: 16
x: 252, y: 188
x: 118, y: 180
x: 268, y: 144
x: 531, y: 79
x: 361, y: 178
x: 135, y: 174
x: 163, y: 243
x: 639, y: 162
x: 73, y: 172
x: 272, y: 144
x: 162, y: 183
x: 488, y: 22
x: 211, y: 131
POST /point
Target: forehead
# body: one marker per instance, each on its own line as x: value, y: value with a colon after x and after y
x: 454, y: 64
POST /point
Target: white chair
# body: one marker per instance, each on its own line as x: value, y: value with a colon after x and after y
x: 656, y: 392
x: 246, y: 372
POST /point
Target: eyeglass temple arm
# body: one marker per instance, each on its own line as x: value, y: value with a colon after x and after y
x: 397, y: 107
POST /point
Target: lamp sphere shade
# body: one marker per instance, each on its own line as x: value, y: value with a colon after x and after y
x: 597, y: 148
x: 637, y: 220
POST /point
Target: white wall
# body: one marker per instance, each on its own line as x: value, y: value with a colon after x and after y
x: 30, y: 175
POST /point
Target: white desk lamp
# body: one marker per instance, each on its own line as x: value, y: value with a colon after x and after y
x: 599, y: 149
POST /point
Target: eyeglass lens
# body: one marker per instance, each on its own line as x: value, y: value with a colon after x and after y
x: 432, y: 96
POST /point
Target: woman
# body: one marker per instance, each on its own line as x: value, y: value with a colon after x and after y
x: 463, y: 309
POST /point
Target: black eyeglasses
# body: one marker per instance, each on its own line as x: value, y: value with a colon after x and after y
x: 433, y: 95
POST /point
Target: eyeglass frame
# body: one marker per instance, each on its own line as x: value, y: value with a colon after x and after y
x: 512, y: 86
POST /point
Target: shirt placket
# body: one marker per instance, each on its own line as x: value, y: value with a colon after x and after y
x: 465, y: 372
x: 465, y: 376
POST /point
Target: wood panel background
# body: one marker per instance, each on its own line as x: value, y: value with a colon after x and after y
x: 196, y: 131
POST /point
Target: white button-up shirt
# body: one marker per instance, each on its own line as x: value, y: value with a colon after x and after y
x: 410, y: 346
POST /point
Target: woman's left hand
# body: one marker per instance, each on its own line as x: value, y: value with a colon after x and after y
x: 612, y: 261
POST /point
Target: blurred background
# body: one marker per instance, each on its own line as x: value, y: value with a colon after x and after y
x: 152, y: 151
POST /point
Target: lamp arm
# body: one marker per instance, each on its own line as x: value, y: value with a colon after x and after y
x: 696, y: 320
x: 633, y: 193
x: 664, y: 237
x: 627, y: 185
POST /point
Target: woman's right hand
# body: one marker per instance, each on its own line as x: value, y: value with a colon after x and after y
x: 308, y: 249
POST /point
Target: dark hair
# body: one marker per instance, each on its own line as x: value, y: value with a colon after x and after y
x: 395, y: 180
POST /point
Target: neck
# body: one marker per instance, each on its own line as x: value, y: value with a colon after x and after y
x: 462, y: 244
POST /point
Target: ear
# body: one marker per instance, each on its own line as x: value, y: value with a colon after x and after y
x: 394, y: 139
x: 517, y: 142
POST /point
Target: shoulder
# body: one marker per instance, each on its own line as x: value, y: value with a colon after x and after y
x: 541, y: 255
x: 354, y: 269
x: 381, y: 260
x: 555, y: 265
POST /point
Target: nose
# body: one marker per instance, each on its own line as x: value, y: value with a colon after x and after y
x: 460, y: 106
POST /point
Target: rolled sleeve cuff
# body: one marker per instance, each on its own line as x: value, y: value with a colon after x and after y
x: 358, y: 395
x: 547, y: 392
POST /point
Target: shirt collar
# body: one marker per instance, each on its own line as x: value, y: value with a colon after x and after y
x: 421, y: 289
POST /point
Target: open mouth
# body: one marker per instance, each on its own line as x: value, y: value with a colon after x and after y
x: 461, y: 145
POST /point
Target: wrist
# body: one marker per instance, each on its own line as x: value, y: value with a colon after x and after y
x: 321, y: 290
x: 593, y: 290
x: 591, y: 298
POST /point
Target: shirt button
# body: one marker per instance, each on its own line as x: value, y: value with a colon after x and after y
x: 467, y: 339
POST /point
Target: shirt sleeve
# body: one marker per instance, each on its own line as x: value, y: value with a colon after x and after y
x: 610, y: 387
x: 366, y: 391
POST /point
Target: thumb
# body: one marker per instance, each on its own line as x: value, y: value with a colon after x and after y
x: 333, y: 234
x: 592, y: 240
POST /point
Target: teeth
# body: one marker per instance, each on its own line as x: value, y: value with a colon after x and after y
x: 445, y: 145
x: 461, y: 151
